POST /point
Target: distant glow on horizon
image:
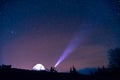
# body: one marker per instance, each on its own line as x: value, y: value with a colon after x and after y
x: 38, y: 67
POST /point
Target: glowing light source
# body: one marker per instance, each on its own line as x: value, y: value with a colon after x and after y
x: 38, y: 67
x: 75, y: 42
x: 71, y: 47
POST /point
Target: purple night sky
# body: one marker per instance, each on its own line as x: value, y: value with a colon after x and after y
x: 41, y: 31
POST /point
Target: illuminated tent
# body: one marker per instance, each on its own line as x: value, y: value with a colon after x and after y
x: 38, y: 67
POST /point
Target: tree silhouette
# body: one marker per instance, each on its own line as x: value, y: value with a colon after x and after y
x: 114, y: 58
x: 73, y: 70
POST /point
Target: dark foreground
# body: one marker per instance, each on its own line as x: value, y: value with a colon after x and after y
x: 20, y: 74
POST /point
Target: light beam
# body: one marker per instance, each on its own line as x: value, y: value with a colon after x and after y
x: 76, y: 41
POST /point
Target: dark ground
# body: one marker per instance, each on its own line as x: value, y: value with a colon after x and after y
x: 7, y: 73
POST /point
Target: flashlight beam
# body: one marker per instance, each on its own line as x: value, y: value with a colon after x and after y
x: 76, y: 41
x: 71, y: 47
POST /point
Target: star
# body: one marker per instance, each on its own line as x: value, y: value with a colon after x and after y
x: 12, y: 32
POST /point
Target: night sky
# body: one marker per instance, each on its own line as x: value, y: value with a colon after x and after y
x: 39, y: 31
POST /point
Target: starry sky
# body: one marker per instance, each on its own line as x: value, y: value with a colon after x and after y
x: 39, y: 31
